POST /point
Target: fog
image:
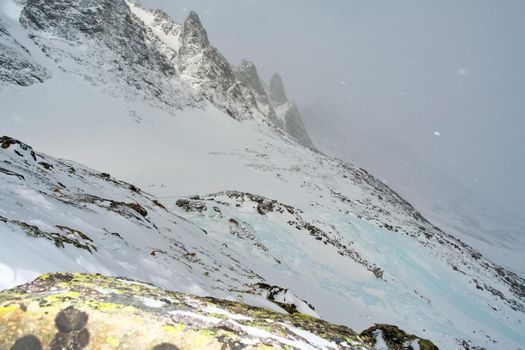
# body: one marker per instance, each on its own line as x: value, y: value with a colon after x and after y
x: 428, y: 95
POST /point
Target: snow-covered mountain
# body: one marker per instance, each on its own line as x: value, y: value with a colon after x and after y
x: 483, y: 225
x: 238, y: 209
x: 111, y: 227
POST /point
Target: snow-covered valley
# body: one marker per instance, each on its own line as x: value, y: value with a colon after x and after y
x: 216, y: 200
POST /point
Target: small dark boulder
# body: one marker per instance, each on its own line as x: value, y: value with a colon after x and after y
x: 138, y: 208
x: 133, y: 188
x: 46, y: 166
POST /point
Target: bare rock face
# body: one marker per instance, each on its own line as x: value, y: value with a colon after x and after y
x: 106, y: 44
x: 274, y: 104
x: 247, y: 74
x: 288, y: 113
x: 395, y: 339
x: 16, y: 64
x: 206, y: 69
x: 194, y: 37
x: 109, y: 22
x: 277, y: 92
x: 82, y: 311
x: 295, y: 127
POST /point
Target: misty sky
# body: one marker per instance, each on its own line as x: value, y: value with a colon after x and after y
x: 443, y: 80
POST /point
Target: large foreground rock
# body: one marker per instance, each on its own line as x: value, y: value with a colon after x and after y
x: 82, y: 311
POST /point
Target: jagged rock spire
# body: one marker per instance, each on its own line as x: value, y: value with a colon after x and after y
x: 247, y: 73
x: 288, y: 113
x: 193, y: 32
x: 295, y: 127
x: 277, y: 92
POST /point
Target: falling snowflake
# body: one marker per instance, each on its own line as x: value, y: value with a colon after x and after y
x: 462, y: 71
x: 437, y: 133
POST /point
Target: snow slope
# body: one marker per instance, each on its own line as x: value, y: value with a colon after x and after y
x: 274, y: 212
x: 61, y: 216
x: 488, y: 228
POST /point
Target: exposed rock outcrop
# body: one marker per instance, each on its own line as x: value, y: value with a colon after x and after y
x: 288, y: 113
x: 80, y: 311
x: 247, y: 74
x: 206, y: 69
x: 83, y: 36
x: 214, y: 205
x: 277, y: 92
x: 16, y: 64
x: 395, y: 339
x: 295, y: 127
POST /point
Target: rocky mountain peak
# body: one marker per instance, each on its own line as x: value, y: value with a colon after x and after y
x: 247, y: 73
x: 193, y: 32
x: 277, y: 92
x: 209, y: 72
x: 111, y: 36
x: 295, y: 126
x: 154, y: 49
x: 287, y: 112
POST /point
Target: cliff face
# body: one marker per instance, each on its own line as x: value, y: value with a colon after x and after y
x: 104, y: 43
x: 16, y: 64
x: 288, y: 113
x: 277, y: 92
x: 206, y: 69
x: 274, y: 103
x: 252, y: 85
x: 78, y: 311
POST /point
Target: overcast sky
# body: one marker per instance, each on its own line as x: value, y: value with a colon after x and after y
x: 441, y: 80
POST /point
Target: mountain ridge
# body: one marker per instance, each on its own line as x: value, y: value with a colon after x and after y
x: 299, y: 224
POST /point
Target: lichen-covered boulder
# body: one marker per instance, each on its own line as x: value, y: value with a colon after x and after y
x: 385, y: 336
x: 87, y: 311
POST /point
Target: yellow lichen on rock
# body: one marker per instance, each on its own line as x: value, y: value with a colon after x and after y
x: 89, y: 311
